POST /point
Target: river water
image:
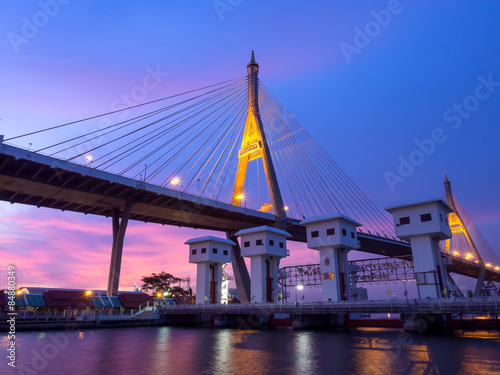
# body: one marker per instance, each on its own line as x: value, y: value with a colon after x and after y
x: 166, y: 350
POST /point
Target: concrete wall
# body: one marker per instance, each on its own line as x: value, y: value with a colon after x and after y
x: 438, y: 226
x: 223, y: 254
x: 339, y: 239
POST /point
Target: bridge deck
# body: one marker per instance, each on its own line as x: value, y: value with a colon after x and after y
x: 38, y: 180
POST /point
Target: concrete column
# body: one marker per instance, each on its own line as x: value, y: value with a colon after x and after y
x: 258, y: 269
x: 265, y: 246
x: 217, y: 278
x: 119, y: 230
x: 425, y: 267
x: 210, y: 254
x: 241, y: 276
x: 424, y: 223
x: 333, y: 235
x: 202, y: 283
x: 275, y: 266
x: 335, y: 273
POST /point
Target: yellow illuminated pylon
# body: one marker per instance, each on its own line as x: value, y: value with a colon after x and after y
x: 457, y: 226
x: 254, y: 146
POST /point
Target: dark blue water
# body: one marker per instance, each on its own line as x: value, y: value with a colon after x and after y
x: 164, y: 350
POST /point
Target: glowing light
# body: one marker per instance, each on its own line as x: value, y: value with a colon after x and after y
x: 240, y: 197
x: 300, y: 287
x: 287, y: 208
x: 88, y: 158
x: 175, y: 181
x: 158, y: 295
x: 497, y: 268
x: 88, y: 293
x: 488, y: 264
x: 469, y: 256
x: 455, y: 253
x: 18, y: 292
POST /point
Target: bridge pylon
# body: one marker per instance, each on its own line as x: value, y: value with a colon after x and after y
x: 253, y: 146
x: 458, y: 226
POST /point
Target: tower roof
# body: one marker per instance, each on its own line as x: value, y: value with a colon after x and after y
x: 417, y: 202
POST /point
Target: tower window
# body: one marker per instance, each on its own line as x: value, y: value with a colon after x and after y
x: 330, y: 231
x: 352, y: 234
x: 344, y: 232
x: 271, y: 243
x: 441, y: 217
x: 214, y: 250
x: 404, y: 220
x: 203, y: 250
x: 225, y: 252
x: 246, y: 244
x: 193, y: 252
x: 259, y: 243
x: 425, y: 217
x: 282, y: 245
x: 314, y: 234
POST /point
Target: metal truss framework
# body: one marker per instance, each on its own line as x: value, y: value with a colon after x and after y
x: 362, y: 271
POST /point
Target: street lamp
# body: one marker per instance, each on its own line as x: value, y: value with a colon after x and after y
x: 241, y: 197
x: 175, y: 181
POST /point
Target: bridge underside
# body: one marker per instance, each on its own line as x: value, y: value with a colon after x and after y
x: 39, y: 184
x: 41, y: 181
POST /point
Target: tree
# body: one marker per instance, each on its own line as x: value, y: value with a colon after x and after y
x: 178, y: 291
x: 158, y: 282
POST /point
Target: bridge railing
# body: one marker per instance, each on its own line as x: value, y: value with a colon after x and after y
x: 463, y: 305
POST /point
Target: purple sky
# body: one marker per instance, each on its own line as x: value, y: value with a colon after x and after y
x: 369, y: 80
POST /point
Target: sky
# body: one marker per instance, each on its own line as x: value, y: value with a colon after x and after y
x: 397, y: 92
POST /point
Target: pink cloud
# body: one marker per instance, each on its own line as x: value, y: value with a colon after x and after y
x: 68, y: 250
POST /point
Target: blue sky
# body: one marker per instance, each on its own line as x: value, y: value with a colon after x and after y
x: 413, y: 64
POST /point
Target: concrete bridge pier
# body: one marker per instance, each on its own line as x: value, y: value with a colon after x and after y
x: 333, y: 235
x: 424, y: 223
x: 265, y: 246
x: 210, y: 254
x: 240, y: 271
x: 119, y: 229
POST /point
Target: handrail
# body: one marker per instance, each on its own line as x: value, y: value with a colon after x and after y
x: 488, y: 304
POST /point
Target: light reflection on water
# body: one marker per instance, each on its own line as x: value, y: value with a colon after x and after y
x: 165, y: 350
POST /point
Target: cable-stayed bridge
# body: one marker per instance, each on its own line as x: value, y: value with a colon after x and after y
x: 224, y: 157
